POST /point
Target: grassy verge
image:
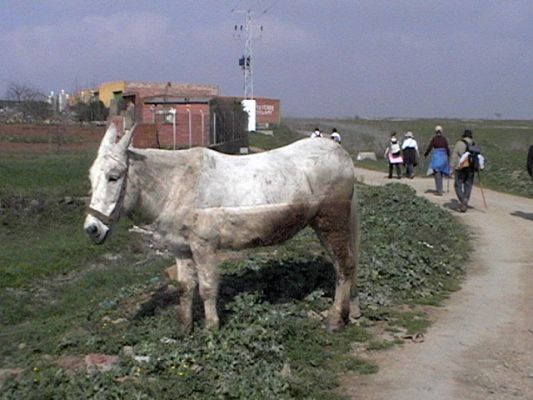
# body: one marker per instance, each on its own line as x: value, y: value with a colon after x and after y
x: 44, y: 176
x: 282, y: 136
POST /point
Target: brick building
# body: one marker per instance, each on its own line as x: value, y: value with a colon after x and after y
x: 177, y: 115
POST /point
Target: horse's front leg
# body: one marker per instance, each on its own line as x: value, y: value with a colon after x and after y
x: 187, y: 280
x: 204, y: 256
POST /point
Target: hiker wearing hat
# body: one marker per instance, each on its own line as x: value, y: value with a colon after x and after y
x: 464, y: 176
x: 439, y: 165
x: 335, y: 135
x: 410, y: 154
x: 393, y: 153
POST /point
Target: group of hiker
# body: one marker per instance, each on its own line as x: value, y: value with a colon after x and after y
x: 462, y: 163
x: 405, y: 154
x: 334, y: 135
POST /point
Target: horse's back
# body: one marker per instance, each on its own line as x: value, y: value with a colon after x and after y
x: 308, y: 170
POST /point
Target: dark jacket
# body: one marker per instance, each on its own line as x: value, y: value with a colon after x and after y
x: 438, y: 142
x: 530, y: 161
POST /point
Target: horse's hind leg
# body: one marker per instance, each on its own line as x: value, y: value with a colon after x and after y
x: 208, y: 280
x: 337, y: 228
x: 187, y: 282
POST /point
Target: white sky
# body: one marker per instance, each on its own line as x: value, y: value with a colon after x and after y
x: 322, y: 58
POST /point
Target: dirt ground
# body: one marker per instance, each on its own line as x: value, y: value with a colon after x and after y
x: 480, y: 345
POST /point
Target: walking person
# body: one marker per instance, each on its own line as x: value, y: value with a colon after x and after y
x: 316, y: 133
x: 530, y: 161
x: 335, y: 135
x: 464, y: 174
x: 393, y: 153
x: 410, y: 154
x: 439, y: 165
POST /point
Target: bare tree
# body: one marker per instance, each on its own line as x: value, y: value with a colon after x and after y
x: 29, y: 101
x: 21, y: 92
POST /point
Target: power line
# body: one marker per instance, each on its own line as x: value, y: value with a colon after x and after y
x: 270, y: 7
x: 236, y: 6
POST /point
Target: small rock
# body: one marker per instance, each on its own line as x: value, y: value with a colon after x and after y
x: 166, y: 340
x: 100, y: 362
x: 128, y: 351
x: 22, y: 346
x: 142, y: 359
x: 34, y: 203
x: 286, y: 370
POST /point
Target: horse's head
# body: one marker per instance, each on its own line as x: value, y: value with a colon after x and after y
x: 108, y: 176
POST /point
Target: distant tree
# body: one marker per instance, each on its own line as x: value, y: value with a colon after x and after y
x: 92, y: 111
x: 23, y: 92
x: 30, y: 102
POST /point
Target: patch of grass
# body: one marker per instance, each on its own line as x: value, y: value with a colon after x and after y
x: 361, y: 366
x: 281, y: 137
x: 41, y: 176
x: 412, y: 322
x: 46, y: 241
x: 405, y: 258
x: 52, y: 139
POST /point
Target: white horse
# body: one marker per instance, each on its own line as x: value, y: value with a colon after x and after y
x: 200, y: 201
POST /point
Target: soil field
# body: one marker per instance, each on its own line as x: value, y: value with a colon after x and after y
x: 30, y: 138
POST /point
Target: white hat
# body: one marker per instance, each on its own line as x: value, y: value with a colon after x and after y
x: 438, y: 128
x: 408, y: 134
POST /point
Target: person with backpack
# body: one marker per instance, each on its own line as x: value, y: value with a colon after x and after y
x: 439, y: 165
x: 316, y: 133
x: 335, y: 135
x: 393, y: 153
x: 466, y: 161
x: 410, y: 154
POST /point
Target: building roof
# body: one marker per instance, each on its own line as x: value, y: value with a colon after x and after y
x: 176, y: 100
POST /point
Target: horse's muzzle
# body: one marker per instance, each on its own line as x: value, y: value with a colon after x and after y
x: 95, y: 229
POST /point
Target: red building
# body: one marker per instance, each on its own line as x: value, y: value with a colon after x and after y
x: 186, y: 115
x: 174, y: 122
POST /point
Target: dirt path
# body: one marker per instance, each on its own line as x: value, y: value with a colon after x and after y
x: 481, y: 343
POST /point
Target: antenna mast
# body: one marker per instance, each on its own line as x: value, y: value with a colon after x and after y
x: 246, y: 61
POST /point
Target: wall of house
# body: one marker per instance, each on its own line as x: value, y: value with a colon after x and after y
x: 147, y: 89
x: 267, y: 112
x: 192, y: 124
x: 107, y: 89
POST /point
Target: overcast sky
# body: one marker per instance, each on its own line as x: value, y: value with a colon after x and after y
x: 322, y: 58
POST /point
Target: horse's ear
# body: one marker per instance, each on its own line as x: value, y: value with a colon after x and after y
x: 126, y: 139
x: 109, y: 139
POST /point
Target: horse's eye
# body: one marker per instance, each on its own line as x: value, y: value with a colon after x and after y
x: 113, y: 178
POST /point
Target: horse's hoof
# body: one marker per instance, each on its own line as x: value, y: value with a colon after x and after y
x: 212, y: 325
x: 355, y: 310
x: 334, y: 326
